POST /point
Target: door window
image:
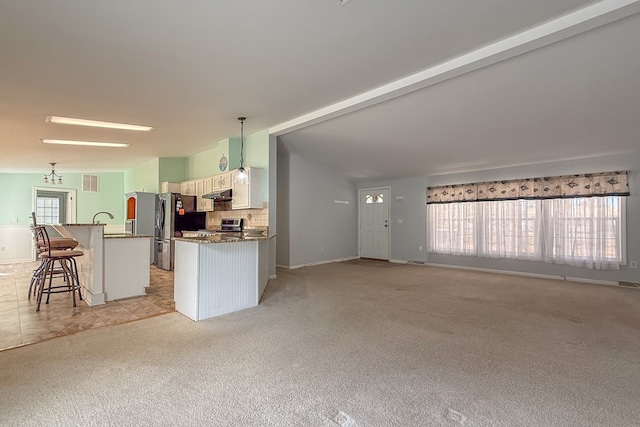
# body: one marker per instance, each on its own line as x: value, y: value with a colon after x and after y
x: 50, y: 207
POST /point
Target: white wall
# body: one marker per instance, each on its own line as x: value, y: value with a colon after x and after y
x: 413, y: 209
x: 318, y: 229
x: 15, y: 244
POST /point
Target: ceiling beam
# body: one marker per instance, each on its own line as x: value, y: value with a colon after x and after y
x: 572, y: 24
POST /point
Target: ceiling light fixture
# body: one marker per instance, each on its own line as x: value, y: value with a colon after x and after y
x: 87, y: 143
x: 96, y: 123
x: 241, y: 173
x: 52, y: 176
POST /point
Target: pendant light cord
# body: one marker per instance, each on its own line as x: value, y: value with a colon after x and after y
x: 242, y: 119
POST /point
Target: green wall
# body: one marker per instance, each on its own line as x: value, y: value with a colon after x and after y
x: 206, y: 163
x: 172, y: 169
x: 234, y: 153
x: 256, y: 154
x: 17, y: 197
x: 143, y: 177
x: 256, y: 150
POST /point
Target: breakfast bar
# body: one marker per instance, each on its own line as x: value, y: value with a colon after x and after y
x: 113, y: 266
x: 219, y: 274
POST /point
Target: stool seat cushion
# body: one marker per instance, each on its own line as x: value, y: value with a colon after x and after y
x: 61, y: 254
x: 60, y: 243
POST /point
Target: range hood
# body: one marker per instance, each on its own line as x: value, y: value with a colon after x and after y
x: 220, y: 196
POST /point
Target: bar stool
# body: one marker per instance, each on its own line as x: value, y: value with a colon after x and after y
x: 68, y: 268
x: 56, y: 243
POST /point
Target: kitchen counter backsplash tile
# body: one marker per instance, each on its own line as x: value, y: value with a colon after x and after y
x: 253, y: 218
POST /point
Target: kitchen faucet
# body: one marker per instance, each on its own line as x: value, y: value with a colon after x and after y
x: 98, y: 213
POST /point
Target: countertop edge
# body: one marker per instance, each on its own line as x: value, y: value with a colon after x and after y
x: 206, y: 241
x: 126, y: 236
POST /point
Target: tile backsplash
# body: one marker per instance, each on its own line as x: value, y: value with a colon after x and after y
x: 253, y: 218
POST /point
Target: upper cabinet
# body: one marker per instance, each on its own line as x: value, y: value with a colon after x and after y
x: 204, y: 186
x: 222, y: 181
x: 188, y: 188
x: 211, y: 184
x: 248, y: 195
x: 171, y: 187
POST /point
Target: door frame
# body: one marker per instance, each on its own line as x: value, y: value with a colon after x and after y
x: 360, y: 191
x: 70, y: 214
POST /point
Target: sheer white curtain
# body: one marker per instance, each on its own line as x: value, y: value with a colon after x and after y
x: 585, y: 232
x: 509, y: 229
x: 452, y: 228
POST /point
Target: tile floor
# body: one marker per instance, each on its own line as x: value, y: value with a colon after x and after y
x: 20, y: 324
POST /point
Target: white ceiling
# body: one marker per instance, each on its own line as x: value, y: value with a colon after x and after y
x: 191, y: 68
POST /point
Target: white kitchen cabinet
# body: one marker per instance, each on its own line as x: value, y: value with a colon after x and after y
x: 171, y: 187
x: 204, y: 186
x: 222, y: 181
x: 188, y: 188
x: 249, y: 194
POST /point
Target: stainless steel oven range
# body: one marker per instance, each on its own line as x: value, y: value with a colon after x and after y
x: 227, y: 225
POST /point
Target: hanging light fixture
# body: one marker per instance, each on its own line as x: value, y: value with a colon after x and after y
x: 52, y: 176
x: 241, y: 173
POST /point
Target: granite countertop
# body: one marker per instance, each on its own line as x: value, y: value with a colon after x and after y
x: 68, y: 225
x: 125, y: 236
x: 220, y: 238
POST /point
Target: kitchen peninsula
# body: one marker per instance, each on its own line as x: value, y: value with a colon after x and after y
x: 113, y: 266
x: 219, y: 274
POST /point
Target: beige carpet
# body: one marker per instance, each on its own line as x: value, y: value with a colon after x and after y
x: 350, y: 344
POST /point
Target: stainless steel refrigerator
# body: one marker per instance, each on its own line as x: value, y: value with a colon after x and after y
x: 174, y: 214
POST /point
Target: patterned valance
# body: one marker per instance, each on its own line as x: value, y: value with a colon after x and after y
x: 554, y: 187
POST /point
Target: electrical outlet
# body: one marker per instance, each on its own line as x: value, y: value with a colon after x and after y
x: 632, y: 264
x: 420, y: 248
x: 321, y: 248
x: 399, y: 220
x: 2, y: 248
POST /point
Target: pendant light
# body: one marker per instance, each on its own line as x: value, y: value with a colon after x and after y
x: 52, y: 176
x: 241, y: 173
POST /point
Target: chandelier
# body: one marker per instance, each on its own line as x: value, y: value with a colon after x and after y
x: 52, y: 176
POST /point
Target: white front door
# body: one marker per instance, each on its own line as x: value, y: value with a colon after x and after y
x: 374, y: 223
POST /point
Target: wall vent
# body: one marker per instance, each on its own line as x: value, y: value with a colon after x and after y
x: 416, y: 262
x: 90, y: 183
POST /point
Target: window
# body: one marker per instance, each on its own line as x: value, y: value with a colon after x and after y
x: 452, y: 228
x: 48, y: 210
x: 585, y: 232
x: 378, y: 198
x: 509, y: 229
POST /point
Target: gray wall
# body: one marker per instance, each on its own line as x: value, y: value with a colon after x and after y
x: 412, y: 210
x: 318, y: 228
x: 282, y: 214
x: 273, y: 202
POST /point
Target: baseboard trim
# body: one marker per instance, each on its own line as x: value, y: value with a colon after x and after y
x: 273, y: 276
x: 522, y: 273
x: 311, y: 264
x: 16, y: 261
x: 399, y: 261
